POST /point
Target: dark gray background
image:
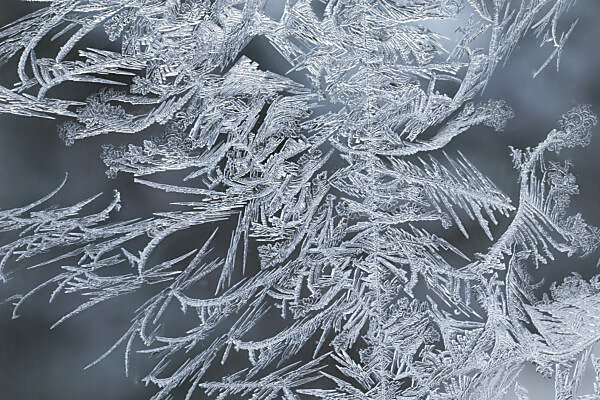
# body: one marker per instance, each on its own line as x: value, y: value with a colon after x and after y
x: 36, y: 363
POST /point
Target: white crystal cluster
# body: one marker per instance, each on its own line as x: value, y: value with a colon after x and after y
x: 338, y: 184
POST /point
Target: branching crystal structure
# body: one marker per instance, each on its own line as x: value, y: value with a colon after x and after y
x: 337, y: 282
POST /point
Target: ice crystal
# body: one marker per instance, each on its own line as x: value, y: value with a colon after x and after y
x: 338, y: 185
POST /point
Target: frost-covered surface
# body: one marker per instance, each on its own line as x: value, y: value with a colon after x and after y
x: 338, y: 185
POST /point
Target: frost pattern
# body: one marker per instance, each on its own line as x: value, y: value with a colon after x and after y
x: 330, y: 182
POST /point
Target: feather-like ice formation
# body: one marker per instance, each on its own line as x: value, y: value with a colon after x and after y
x: 337, y: 179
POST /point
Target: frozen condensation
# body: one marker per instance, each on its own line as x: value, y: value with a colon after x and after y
x: 337, y: 282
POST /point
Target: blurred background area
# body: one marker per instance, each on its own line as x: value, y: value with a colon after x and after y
x: 36, y: 363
